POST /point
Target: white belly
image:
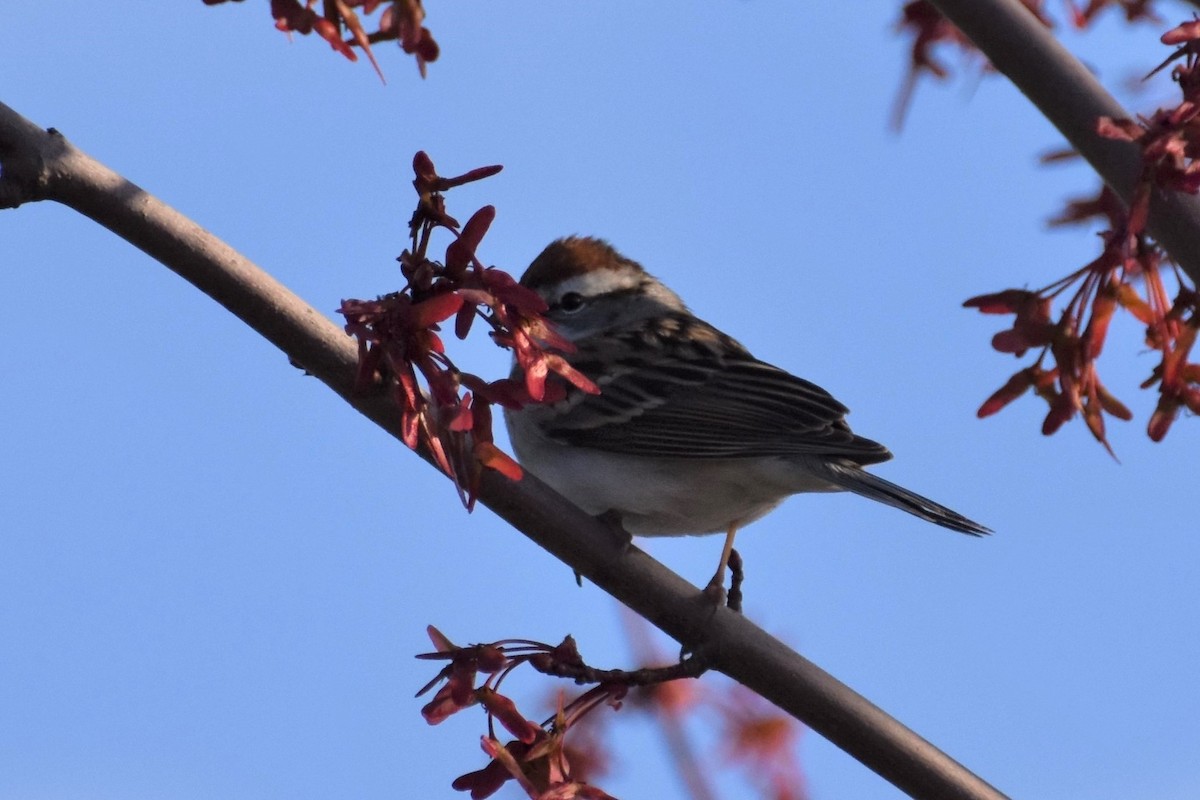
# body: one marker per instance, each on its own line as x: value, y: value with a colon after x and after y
x: 662, y: 496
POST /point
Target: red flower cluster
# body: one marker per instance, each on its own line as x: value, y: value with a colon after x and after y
x: 921, y: 20
x: 401, y: 20
x: 755, y: 736
x: 1170, y: 143
x: 1134, y: 10
x: 1074, y: 341
x: 398, y: 338
x: 536, y: 758
x: 1170, y: 139
x: 762, y: 739
x: 927, y: 28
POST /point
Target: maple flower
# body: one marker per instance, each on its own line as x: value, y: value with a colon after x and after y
x: 540, y: 769
x: 1074, y: 342
x: 459, y: 691
x: 443, y: 409
x: 539, y: 758
x: 401, y: 20
x: 928, y: 29
x: 762, y: 739
x: 1134, y: 10
x: 1128, y: 274
x: 504, y: 766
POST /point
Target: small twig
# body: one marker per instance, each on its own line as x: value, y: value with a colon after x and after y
x: 693, y: 666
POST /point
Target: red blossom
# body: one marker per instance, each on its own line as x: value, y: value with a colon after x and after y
x: 521, y: 298
x: 503, y: 767
x: 1031, y: 326
x: 1133, y: 10
x: 427, y: 180
x: 331, y: 32
x: 1132, y: 302
x: 505, y: 711
x: 493, y: 457
x: 1016, y: 386
x: 444, y: 410
x: 403, y: 21
x: 547, y: 761
x: 928, y: 32
x: 1010, y: 301
x: 1074, y: 341
x: 1105, y: 205
x: 928, y: 29
x: 461, y: 251
x: 762, y: 739
x: 1121, y: 129
x: 1179, y: 380
x: 339, y: 24
x: 503, y: 392
x: 1185, y: 33
x: 434, y: 310
x: 442, y: 705
x: 537, y: 759
x: 459, y: 691
x: 290, y: 16
x: 1128, y: 274
x: 358, y: 34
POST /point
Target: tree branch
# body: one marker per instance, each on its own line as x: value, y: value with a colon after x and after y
x: 37, y: 164
x: 1072, y: 99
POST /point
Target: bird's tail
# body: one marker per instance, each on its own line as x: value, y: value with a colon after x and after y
x: 853, y: 479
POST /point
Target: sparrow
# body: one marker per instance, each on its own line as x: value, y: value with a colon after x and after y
x: 690, y: 433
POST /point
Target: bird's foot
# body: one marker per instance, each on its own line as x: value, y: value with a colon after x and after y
x: 715, y: 593
x: 612, y: 520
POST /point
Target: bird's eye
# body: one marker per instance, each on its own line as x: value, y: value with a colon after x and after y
x: 571, y: 302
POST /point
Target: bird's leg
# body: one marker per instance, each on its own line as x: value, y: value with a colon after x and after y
x: 716, y: 587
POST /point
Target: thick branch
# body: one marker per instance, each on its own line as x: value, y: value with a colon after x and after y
x: 35, y: 164
x: 1070, y: 97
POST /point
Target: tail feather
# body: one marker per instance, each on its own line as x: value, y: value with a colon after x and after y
x: 853, y: 479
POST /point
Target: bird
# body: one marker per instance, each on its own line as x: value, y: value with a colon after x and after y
x: 689, y: 434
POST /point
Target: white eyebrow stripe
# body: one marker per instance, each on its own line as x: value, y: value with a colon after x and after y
x: 597, y: 282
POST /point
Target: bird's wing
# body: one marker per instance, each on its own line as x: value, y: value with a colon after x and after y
x: 702, y: 397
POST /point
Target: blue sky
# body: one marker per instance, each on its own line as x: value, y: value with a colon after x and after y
x: 214, y: 575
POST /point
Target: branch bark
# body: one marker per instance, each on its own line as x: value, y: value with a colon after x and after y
x: 1072, y: 99
x: 36, y: 164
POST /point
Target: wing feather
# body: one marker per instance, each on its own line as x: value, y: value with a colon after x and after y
x: 710, y: 401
